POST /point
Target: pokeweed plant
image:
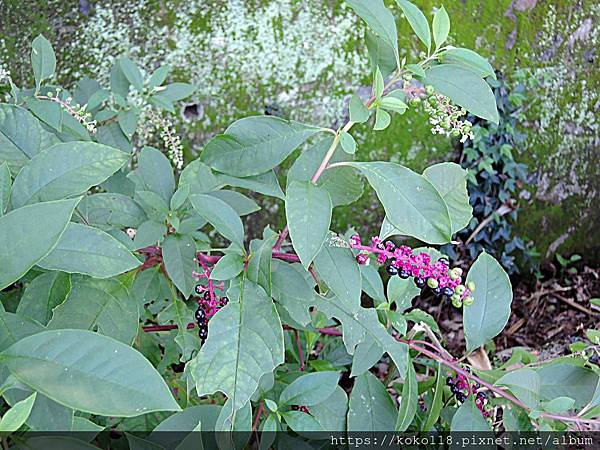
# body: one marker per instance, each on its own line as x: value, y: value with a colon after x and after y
x: 118, y: 305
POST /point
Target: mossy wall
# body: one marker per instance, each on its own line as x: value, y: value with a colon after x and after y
x: 304, y: 58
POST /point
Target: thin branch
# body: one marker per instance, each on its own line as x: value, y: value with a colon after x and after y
x: 300, y: 354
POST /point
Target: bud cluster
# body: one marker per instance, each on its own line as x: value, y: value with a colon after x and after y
x: 437, y: 276
x: 461, y: 389
x: 78, y: 112
x: 170, y: 139
x: 445, y: 117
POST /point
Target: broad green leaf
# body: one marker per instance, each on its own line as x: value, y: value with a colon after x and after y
x: 451, y: 182
x: 155, y: 172
x: 103, y: 305
x: 149, y: 233
x: 308, y: 212
x: 153, y: 205
x: 187, y: 340
x: 198, y: 177
x: 343, y: 184
x: 89, y: 251
x: 245, y: 341
x: 128, y: 121
x: 179, y: 197
x: 417, y: 21
x: 469, y: 59
x: 65, y: 170
x: 43, y: 60
x: 567, y: 380
x: 255, y: 145
x: 259, y: 266
x: 371, y: 407
x: 489, y: 313
x: 348, y: 143
x: 239, y: 202
x: 438, y: 399
x: 175, y: 91
x: 15, y: 327
x: 228, y: 267
x: 17, y: 415
x: 558, y: 405
x: 291, y: 291
x: 21, y: 137
x: 265, y: 183
x: 416, y: 69
x: 46, y: 415
x: 88, y: 428
x: 382, y: 119
x: 359, y: 113
x: 372, y: 284
x: 401, y: 292
x: 119, y: 84
x: 113, y: 136
x: 469, y: 418
x: 381, y: 54
x: 299, y: 422
x: 337, y: 267
x: 410, y: 399
x: 20, y: 229
x: 310, y: 389
x: 366, y: 355
x: 378, y: 84
x: 379, y: 19
x: 179, y: 253
x: 331, y: 413
x: 43, y: 294
x: 132, y: 73
x: 525, y: 384
x: 47, y: 111
x: 89, y: 372
x: 111, y: 210
x: 394, y: 104
x: 220, y: 215
x: 441, y: 27
x: 159, y: 76
x: 464, y: 88
x: 412, y: 204
x: 5, y: 185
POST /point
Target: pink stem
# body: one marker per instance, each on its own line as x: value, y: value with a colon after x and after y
x: 281, y: 238
x: 207, y: 273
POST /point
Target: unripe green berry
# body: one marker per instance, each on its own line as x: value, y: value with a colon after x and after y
x: 455, y: 133
x: 460, y: 289
x: 468, y: 301
x: 454, y: 274
x: 432, y: 100
x: 471, y: 286
x: 415, y: 101
x: 456, y: 303
x: 407, y: 77
x: 429, y: 89
x: 433, y: 283
x: 458, y: 270
x: 455, y: 297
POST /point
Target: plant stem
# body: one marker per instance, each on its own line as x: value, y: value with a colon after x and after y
x: 300, y: 355
x: 256, y: 422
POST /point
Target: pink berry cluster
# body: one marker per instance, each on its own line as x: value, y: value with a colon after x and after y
x: 461, y: 389
x: 437, y: 276
x: 209, y: 303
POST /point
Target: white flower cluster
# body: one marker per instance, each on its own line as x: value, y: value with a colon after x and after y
x: 78, y: 112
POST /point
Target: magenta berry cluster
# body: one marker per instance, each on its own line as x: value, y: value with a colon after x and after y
x: 461, y: 389
x: 403, y: 262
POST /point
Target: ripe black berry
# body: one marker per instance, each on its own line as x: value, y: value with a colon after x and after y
x: 448, y: 291
x: 450, y: 381
x: 461, y: 397
x: 198, y: 289
x: 404, y: 274
x: 437, y: 291
x: 444, y: 261
x: 420, y: 282
x: 203, y: 332
x: 223, y: 301
x: 392, y: 270
x: 207, y: 295
x: 200, y: 315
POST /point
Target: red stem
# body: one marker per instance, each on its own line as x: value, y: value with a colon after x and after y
x: 300, y: 354
x: 256, y: 422
x: 207, y: 273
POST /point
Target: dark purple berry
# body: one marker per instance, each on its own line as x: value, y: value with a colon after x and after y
x: 404, y: 274
x: 461, y: 397
x: 200, y: 315
x: 198, y: 289
x: 420, y: 282
x: 224, y: 301
x: 203, y: 332
x: 392, y: 270
x: 444, y: 261
x: 207, y: 295
x: 450, y: 381
x: 437, y: 291
x: 448, y: 291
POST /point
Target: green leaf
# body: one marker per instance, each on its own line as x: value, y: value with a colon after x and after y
x: 255, y: 145
x: 343, y: 184
x: 372, y: 284
x: 17, y: 415
x: 469, y: 418
x: 128, y: 121
x: 567, y: 380
x: 299, y: 422
x: 245, y: 341
x: 64, y: 170
x: 239, y: 202
x: 259, y: 265
x: 359, y: 113
x: 16, y: 327
x: 308, y: 212
x: 220, y: 215
x: 416, y: 69
x: 47, y: 111
x: 187, y: 340
x: 179, y: 253
x: 46, y: 415
x: 417, y: 21
x: 393, y: 104
x: 331, y: 413
x: 21, y: 229
x: 132, y: 73
x: 411, y: 202
x: 179, y: 197
x: 378, y: 84
x: 438, y: 399
x: 382, y: 120
x: 5, y: 185
x: 451, y: 182
x: 441, y: 27
x: 381, y: 54
x: 175, y: 91
x: 371, y: 407
x: 337, y: 267
x: 401, y: 292
x: 469, y: 59
x: 103, y: 305
x: 464, y: 88
x: 228, y: 267
x: 291, y: 290
x: 379, y: 19
x: 155, y: 173
x: 43, y: 60
x: 149, y: 233
x: 410, y: 399
x: 488, y: 315
x: 266, y: 183
x: 119, y: 84
x: 89, y: 251
x: 89, y: 372
x: 159, y: 76
x: 558, y: 405
x: 43, y: 294
x: 113, y: 136
x: 111, y: 210
x: 21, y: 137
x: 310, y: 389
x: 525, y: 384
x: 348, y: 143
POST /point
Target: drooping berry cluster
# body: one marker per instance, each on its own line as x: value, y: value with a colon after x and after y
x: 460, y: 387
x: 208, y: 305
x: 437, y: 276
x: 77, y: 111
x: 445, y: 117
